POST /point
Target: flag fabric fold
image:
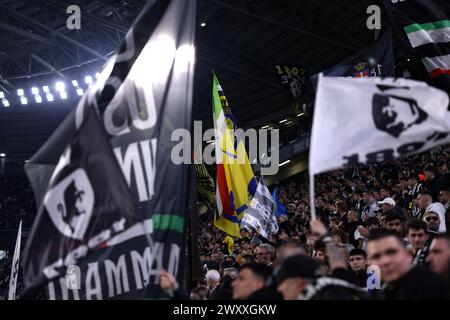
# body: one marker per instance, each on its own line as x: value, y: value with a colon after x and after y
x: 15, y: 266
x: 280, y: 209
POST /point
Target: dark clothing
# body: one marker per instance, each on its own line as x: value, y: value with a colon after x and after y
x: 350, y: 229
x: 418, y: 284
x: 359, y: 278
x: 436, y: 185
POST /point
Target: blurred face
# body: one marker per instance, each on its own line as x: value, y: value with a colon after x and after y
x: 393, y: 259
x: 319, y: 256
x: 385, y: 208
x: 423, y: 201
x: 384, y: 193
x: 358, y: 263
x: 215, y: 257
x: 262, y: 255
x: 443, y: 197
x: 439, y: 257
x: 291, y: 288
x: 417, y: 238
x: 395, y: 225
x: 432, y: 220
x: 429, y: 175
x: 245, y: 284
x: 352, y: 216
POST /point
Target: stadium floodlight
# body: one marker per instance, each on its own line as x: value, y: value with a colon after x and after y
x: 283, y: 121
x: 88, y: 79
x: 5, y: 103
x: 46, y: 89
x: 23, y: 100
x: 75, y: 83
x: 300, y: 114
x: 2, y: 155
x: 35, y: 90
x: 2, y: 95
x: 265, y: 127
x: 203, y: 24
x: 60, y: 86
x: 63, y: 95
x: 80, y: 91
x: 20, y: 92
x: 49, y: 97
x: 38, y: 98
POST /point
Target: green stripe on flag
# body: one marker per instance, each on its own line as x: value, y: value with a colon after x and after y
x: 427, y: 26
x: 217, y: 105
x: 167, y: 222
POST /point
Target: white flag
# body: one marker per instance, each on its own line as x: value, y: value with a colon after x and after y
x: 373, y: 119
x: 15, y: 266
x: 260, y: 215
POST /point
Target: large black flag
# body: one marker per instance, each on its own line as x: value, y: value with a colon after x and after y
x: 424, y: 29
x: 86, y: 204
x: 143, y: 95
x: 377, y: 60
x: 294, y: 81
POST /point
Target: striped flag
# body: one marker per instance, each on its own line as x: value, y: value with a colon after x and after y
x: 236, y: 183
x: 424, y: 25
x: 15, y: 266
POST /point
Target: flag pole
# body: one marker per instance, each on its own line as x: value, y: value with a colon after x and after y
x: 311, y: 197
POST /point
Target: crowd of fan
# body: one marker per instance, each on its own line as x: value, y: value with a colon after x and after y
x: 16, y: 202
x: 380, y: 234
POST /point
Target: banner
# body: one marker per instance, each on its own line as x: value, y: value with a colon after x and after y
x: 377, y: 60
x: 235, y: 181
x: 15, y: 266
x: 260, y: 215
x: 143, y: 94
x: 294, y: 81
x: 368, y: 120
x: 424, y: 28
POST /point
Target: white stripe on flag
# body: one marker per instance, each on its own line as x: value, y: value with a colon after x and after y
x: 439, y: 62
x: 422, y: 37
x: 15, y: 266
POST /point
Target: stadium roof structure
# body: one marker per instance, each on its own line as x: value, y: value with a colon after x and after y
x: 240, y: 39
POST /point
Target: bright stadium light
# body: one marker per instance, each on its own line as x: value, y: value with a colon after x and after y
x: 80, y: 91
x: 35, y: 90
x: 20, y: 92
x: 60, y: 86
x: 5, y: 103
x: 2, y: 155
x: 300, y: 114
x: 23, y: 100
x: 49, y: 97
x: 63, y: 95
x: 283, y: 121
x: 2, y: 95
x: 75, y: 83
x: 46, y: 89
x: 265, y: 127
x: 88, y: 79
x: 38, y: 98
x: 203, y: 24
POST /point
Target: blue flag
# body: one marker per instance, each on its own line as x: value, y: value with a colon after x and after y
x: 280, y: 209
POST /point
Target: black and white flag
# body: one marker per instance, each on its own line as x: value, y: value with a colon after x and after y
x: 260, y: 215
x: 367, y: 120
x: 15, y: 266
x: 424, y: 28
x: 86, y: 204
x: 294, y: 81
x: 142, y: 96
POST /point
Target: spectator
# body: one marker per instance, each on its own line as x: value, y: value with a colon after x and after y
x: 250, y: 278
x: 439, y: 256
x: 358, y: 265
x: 264, y: 254
x: 387, y: 250
x: 426, y: 204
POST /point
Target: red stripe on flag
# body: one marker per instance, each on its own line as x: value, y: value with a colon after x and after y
x: 223, y: 190
x: 439, y: 72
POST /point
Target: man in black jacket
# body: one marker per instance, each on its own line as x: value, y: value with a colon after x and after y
x: 401, y: 281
